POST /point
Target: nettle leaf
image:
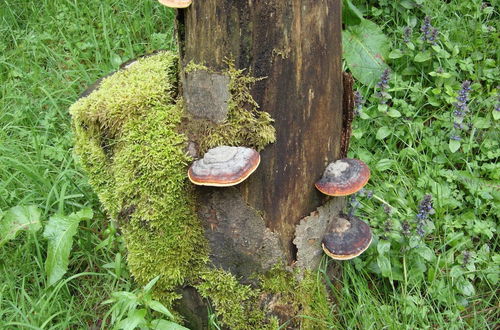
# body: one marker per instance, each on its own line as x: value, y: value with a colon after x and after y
x: 59, y: 232
x: 16, y: 219
x: 365, y: 47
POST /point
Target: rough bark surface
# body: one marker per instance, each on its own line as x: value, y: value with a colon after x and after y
x: 296, y: 45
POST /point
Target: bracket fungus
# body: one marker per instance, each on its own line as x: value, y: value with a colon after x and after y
x: 176, y: 3
x: 346, y: 238
x: 344, y: 177
x: 224, y: 166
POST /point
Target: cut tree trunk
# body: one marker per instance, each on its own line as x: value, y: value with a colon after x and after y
x: 296, y: 46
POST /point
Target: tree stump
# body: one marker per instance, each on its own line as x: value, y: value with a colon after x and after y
x: 296, y: 46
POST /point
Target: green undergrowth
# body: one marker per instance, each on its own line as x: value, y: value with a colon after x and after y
x: 281, y: 300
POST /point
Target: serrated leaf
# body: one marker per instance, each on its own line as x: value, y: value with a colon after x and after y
x: 422, y: 57
x: 19, y: 218
x: 166, y: 325
x: 454, y: 145
x: 59, y: 231
x: 383, y: 132
x: 365, y: 47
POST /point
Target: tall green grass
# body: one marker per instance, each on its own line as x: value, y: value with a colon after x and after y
x: 49, y: 52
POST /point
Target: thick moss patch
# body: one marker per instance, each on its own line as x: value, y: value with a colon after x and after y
x: 127, y: 141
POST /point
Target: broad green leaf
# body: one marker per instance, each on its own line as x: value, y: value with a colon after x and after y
x: 482, y: 123
x: 426, y: 253
x: 382, y: 107
x: 454, y: 145
x: 465, y: 287
x: 365, y: 47
x: 383, y: 132
x: 422, y: 57
x: 383, y: 246
x: 385, y: 265
x: 166, y: 325
x: 16, y: 219
x: 350, y: 13
x: 135, y: 319
x: 496, y: 114
x: 394, y: 113
x: 384, y: 164
x: 59, y: 232
x: 396, y: 53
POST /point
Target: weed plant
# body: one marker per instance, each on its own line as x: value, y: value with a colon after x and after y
x: 429, y: 131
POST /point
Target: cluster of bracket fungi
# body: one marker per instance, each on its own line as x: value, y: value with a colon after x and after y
x: 347, y: 236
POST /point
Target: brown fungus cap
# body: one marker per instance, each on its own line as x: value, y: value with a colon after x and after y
x: 347, y: 238
x: 344, y: 177
x: 224, y: 166
x: 176, y: 3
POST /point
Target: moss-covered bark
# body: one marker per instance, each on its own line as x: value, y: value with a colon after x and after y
x: 128, y: 136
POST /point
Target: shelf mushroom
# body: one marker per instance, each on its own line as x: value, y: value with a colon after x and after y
x: 176, y: 3
x: 344, y: 177
x: 346, y: 238
x: 224, y: 166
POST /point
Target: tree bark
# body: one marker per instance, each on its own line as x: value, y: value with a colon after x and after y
x: 296, y: 45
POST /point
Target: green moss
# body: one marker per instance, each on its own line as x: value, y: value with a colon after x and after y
x: 306, y: 298
x: 236, y: 304
x: 127, y: 141
x: 246, y: 124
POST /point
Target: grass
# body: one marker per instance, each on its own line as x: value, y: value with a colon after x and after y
x: 49, y: 52
x: 447, y: 278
